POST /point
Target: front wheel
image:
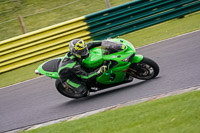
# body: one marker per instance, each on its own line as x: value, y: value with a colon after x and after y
x: 68, y: 92
x: 144, y: 70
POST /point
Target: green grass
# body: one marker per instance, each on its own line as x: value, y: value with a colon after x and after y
x: 45, y: 13
x: 18, y: 75
x: 174, y: 114
x: 139, y: 38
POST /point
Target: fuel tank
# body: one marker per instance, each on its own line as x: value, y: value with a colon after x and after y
x: 94, y: 60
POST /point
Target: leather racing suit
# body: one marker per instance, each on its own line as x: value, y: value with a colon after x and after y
x: 71, y: 73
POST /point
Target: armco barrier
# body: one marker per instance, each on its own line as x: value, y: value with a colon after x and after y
x: 52, y: 41
x: 136, y: 15
x: 41, y: 44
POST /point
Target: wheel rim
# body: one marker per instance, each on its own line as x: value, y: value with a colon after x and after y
x: 143, y: 71
x: 70, y: 92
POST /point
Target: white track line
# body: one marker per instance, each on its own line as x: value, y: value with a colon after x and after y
x: 168, y: 39
x: 22, y: 82
x: 136, y: 48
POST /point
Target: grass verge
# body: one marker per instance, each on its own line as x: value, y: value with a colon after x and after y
x: 42, y: 13
x: 174, y: 114
x: 139, y: 38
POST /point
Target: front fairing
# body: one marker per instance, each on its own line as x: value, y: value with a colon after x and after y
x: 115, y: 51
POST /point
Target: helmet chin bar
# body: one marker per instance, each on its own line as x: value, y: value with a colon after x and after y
x: 85, y: 56
x: 81, y: 57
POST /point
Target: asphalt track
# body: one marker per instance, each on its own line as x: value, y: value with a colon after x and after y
x: 37, y: 101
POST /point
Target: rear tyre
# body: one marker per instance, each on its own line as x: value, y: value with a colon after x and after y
x: 68, y: 92
x: 144, y: 70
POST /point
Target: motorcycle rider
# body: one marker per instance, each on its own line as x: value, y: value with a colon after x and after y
x: 70, y: 72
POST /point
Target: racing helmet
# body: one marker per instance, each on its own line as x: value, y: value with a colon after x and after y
x: 79, y: 48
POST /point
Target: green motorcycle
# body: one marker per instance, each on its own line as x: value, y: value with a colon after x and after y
x: 122, y: 62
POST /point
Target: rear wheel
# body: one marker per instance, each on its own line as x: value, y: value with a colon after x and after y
x: 144, y: 70
x: 68, y: 92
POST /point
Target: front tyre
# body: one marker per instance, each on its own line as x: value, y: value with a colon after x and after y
x: 68, y: 92
x: 144, y: 70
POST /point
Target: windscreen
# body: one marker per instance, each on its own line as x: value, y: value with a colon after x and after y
x: 110, y: 47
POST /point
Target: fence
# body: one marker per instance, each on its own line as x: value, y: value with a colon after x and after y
x: 51, y: 41
x: 37, y: 14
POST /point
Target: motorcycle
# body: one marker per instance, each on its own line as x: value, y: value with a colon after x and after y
x: 123, y: 64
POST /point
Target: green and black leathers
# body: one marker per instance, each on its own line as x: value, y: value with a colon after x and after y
x: 71, y: 72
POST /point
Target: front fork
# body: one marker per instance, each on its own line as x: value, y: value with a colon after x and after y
x: 136, y: 59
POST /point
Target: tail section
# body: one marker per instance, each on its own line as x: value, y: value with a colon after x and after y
x: 49, y: 68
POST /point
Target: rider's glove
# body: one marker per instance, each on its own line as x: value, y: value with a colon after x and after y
x: 102, y: 69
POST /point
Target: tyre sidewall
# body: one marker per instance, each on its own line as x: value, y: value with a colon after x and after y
x: 60, y: 89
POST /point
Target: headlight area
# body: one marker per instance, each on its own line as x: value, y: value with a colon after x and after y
x: 128, y: 58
